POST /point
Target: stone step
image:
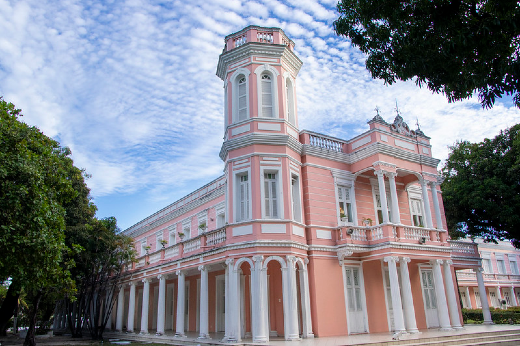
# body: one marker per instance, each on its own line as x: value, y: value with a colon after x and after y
x: 473, y: 339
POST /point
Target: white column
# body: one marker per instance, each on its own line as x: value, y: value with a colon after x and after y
x: 259, y: 311
x: 146, y: 302
x: 436, y: 208
x: 426, y: 204
x: 513, y: 296
x: 393, y: 195
x: 450, y: 295
x: 397, y: 305
x: 161, y: 304
x: 382, y: 194
x: 499, y: 296
x: 203, y: 314
x: 181, y: 286
x: 232, y: 303
x: 440, y: 294
x: 291, y: 295
x: 120, y: 309
x: 483, y: 296
x: 305, y: 302
x: 353, y: 205
x: 468, y: 298
x: 131, y: 309
x: 409, y: 310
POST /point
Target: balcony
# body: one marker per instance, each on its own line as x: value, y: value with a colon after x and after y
x: 259, y: 35
x: 193, y: 246
x: 388, y: 232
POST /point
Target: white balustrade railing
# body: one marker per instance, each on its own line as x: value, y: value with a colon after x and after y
x: 416, y: 233
x: 156, y: 257
x: 264, y: 37
x: 172, y: 251
x: 325, y: 143
x: 359, y: 234
x: 216, y: 237
x: 140, y: 263
x: 459, y: 247
x: 191, y: 245
x: 377, y: 233
x: 240, y: 40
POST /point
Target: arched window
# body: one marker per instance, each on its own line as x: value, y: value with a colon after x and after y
x: 289, y: 95
x: 241, y: 98
x: 267, y: 95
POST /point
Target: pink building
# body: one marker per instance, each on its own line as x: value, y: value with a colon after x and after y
x: 304, y: 235
x: 501, y: 277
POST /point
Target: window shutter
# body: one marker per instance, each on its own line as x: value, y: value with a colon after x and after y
x: 267, y: 96
x: 242, y: 100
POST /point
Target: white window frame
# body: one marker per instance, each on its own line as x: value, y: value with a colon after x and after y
x: 501, y: 263
x: 158, y: 238
x: 296, y: 198
x: 143, y: 245
x: 290, y: 99
x: 234, y: 79
x: 279, y: 192
x: 375, y: 192
x: 236, y: 195
x: 345, y: 188
x: 186, y: 228
x: 513, y: 265
x: 259, y: 71
x: 172, y: 234
x: 220, y: 215
x: 415, y: 193
x: 487, y: 257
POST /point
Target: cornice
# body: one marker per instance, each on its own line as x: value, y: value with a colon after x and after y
x: 178, y: 212
x: 259, y: 138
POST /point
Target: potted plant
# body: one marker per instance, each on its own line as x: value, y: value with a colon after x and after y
x: 163, y: 243
x: 202, y: 226
x: 367, y: 221
x: 343, y: 217
x: 181, y: 235
x: 147, y: 248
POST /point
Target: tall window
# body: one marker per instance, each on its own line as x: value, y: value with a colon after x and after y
x: 380, y: 209
x: 295, y: 192
x: 345, y: 204
x: 242, y: 98
x: 417, y: 214
x: 501, y: 265
x: 486, y: 264
x: 289, y: 95
x: 514, y: 265
x: 243, y: 198
x: 270, y: 196
x: 267, y: 96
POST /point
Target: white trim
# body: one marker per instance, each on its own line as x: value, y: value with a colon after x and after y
x: 274, y: 88
x: 234, y: 90
x: 279, y: 193
x: 286, y: 103
x: 236, y: 186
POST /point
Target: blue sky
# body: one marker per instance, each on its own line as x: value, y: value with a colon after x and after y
x: 130, y: 87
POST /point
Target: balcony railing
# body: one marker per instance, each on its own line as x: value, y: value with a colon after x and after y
x: 201, y: 243
x: 389, y: 232
x: 463, y: 249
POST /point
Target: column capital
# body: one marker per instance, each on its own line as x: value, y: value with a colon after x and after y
x: 389, y: 259
x: 145, y: 280
x: 258, y: 258
x: 291, y: 259
x: 391, y: 175
x: 162, y: 277
x: 448, y: 262
x: 132, y: 283
x: 179, y: 272
x: 436, y: 262
x: 202, y: 267
x: 379, y: 173
x: 230, y: 261
x: 405, y: 259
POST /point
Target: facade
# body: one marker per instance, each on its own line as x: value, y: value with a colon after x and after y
x: 501, y: 277
x: 304, y: 234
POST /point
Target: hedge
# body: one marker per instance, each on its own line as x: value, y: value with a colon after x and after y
x: 511, y: 315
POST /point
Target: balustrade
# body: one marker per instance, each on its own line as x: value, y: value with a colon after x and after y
x: 416, y: 233
x: 156, y: 257
x: 463, y: 248
x: 325, y: 143
x: 377, y: 233
x: 240, y: 40
x: 191, y: 245
x: 216, y: 237
x: 172, y: 251
x: 264, y: 37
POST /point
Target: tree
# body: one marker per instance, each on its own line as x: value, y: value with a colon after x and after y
x: 481, y: 188
x: 454, y: 47
x: 34, y: 186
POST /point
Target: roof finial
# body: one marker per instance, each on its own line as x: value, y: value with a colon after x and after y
x: 397, y: 108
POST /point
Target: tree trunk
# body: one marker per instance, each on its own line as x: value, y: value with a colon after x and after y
x: 8, y: 306
x: 29, y: 339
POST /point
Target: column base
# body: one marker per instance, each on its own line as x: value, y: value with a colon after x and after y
x: 458, y: 327
x: 260, y: 339
x: 159, y: 333
x: 143, y: 332
x: 445, y: 329
x: 129, y: 331
x: 488, y: 323
x: 414, y: 331
x: 204, y: 337
x: 308, y: 336
x: 180, y: 335
x: 230, y: 339
x: 293, y: 338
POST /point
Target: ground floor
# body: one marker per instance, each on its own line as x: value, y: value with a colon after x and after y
x: 497, y: 296
x: 291, y: 294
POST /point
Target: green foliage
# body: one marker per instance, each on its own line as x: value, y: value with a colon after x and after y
x: 454, y: 47
x: 34, y: 185
x: 481, y: 188
x: 498, y: 316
